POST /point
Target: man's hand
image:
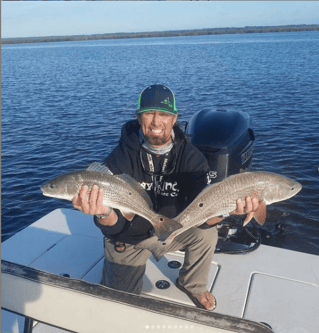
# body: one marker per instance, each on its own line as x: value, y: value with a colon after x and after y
x: 251, y: 205
x: 94, y: 204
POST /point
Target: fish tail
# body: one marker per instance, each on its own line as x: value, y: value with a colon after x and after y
x: 165, y: 226
x: 153, y: 245
x: 261, y: 213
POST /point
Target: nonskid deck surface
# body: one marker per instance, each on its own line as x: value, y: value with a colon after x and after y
x: 271, y: 285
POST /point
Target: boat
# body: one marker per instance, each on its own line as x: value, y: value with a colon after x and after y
x: 51, y: 273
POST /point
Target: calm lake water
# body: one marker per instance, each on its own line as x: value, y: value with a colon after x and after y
x: 63, y: 105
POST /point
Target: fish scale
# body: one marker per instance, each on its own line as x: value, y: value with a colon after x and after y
x: 221, y: 198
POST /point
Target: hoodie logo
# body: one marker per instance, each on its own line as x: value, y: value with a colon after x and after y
x: 167, y: 189
x: 167, y: 102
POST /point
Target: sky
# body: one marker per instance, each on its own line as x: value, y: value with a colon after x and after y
x: 61, y: 18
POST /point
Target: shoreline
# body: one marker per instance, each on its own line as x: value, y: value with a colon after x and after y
x: 173, y: 33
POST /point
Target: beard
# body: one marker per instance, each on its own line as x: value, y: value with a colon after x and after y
x: 156, y: 141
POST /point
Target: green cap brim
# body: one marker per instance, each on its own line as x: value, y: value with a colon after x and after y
x: 173, y: 112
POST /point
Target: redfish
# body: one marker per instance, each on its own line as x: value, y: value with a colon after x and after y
x: 221, y: 198
x: 119, y: 191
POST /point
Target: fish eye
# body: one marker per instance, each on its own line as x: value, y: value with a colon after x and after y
x: 52, y: 186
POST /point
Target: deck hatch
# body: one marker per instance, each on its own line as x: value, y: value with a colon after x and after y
x: 283, y: 304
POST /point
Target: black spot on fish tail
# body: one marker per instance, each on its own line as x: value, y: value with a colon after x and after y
x: 166, y: 227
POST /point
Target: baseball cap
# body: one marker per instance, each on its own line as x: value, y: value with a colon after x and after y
x: 157, y: 97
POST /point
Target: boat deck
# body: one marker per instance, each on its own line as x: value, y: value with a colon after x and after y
x: 271, y: 285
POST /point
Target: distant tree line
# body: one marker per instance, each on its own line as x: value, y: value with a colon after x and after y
x: 174, y: 33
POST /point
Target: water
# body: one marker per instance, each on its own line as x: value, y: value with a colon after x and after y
x: 63, y: 105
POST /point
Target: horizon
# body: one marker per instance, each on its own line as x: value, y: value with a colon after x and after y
x: 166, y: 31
x: 48, y: 19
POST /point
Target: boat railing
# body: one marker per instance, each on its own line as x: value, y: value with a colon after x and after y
x: 80, y: 306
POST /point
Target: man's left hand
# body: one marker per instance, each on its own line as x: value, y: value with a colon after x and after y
x: 250, y: 207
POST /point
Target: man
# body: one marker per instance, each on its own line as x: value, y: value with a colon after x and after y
x: 156, y: 153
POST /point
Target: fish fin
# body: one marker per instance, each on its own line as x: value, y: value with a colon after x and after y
x: 261, y: 213
x: 128, y: 215
x: 153, y: 245
x: 246, y: 221
x: 99, y: 167
x: 164, y: 229
x: 136, y: 186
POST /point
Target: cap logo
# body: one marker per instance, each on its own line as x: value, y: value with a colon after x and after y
x: 167, y: 102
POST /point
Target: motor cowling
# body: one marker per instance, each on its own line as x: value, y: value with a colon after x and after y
x: 225, y: 137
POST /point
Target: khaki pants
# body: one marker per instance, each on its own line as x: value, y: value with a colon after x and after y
x: 124, y: 271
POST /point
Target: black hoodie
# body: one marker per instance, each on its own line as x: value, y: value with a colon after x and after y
x: 186, y: 175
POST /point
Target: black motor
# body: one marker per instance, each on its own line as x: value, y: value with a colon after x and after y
x: 225, y: 138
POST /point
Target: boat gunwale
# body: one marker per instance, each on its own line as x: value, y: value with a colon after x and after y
x: 162, y: 307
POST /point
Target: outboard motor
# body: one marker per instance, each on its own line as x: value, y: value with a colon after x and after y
x: 225, y: 138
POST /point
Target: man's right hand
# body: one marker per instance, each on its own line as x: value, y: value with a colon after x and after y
x: 94, y: 205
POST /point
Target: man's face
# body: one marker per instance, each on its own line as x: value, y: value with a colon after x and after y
x: 157, y: 127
